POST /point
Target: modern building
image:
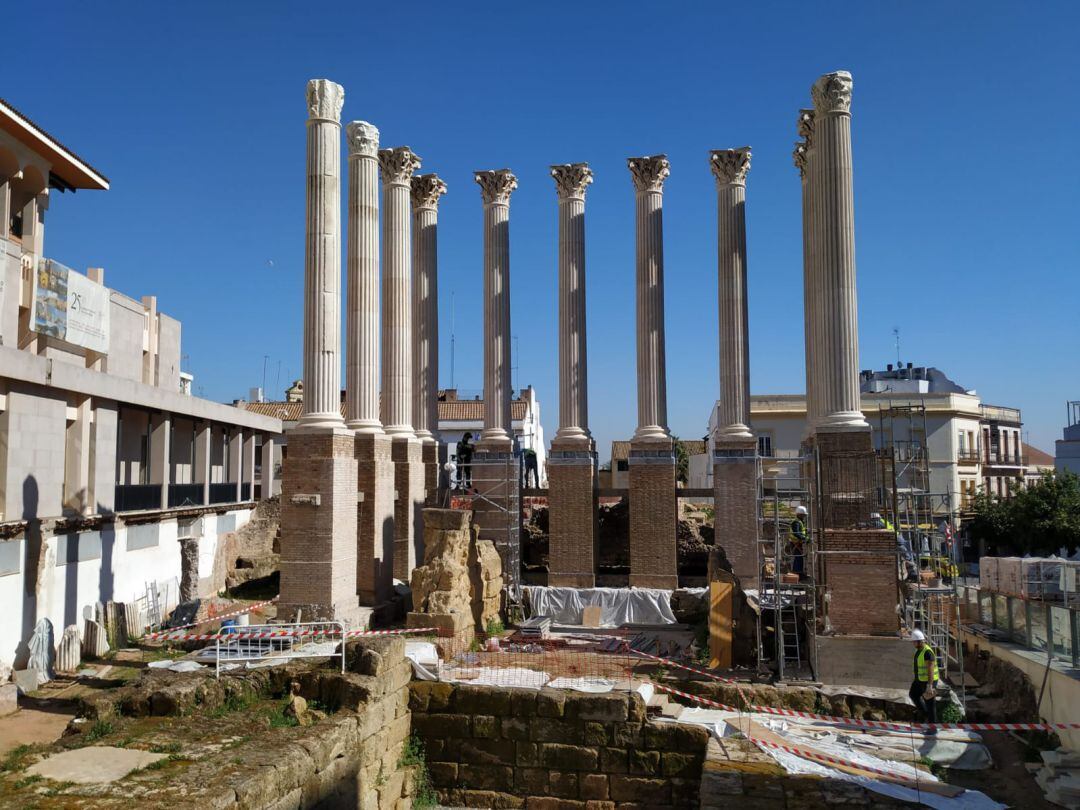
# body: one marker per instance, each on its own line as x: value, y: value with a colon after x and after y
x: 457, y: 417
x: 106, y: 460
x: 970, y: 446
x: 1067, y: 448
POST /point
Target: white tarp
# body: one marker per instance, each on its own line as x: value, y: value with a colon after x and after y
x: 70, y: 307
x: 618, y: 606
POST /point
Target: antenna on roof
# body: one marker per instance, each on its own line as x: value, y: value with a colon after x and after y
x: 896, y: 335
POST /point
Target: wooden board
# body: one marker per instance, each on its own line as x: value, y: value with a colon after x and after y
x: 590, y: 615
x: 720, y: 596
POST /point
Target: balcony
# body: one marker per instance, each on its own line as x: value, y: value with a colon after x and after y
x: 996, y: 413
x: 185, y: 495
x: 223, y: 493
x: 967, y: 456
x: 137, y: 497
x: 995, y: 459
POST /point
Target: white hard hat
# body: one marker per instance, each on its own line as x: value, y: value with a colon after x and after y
x: 918, y: 635
x: 875, y: 516
x: 800, y: 510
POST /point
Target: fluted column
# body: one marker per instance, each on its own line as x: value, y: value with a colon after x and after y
x: 495, y: 190
x: 730, y: 167
x: 397, y: 167
x: 362, y: 284
x: 426, y: 191
x: 835, y: 230
x: 322, y: 259
x: 571, y: 181
x: 649, y: 174
x: 800, y: 156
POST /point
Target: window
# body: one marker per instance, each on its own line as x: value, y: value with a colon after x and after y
x: 622, y: 465
x: 764, y: 445
x: 962, y: 443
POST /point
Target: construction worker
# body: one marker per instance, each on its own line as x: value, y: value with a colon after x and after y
x: 797, y: 542
x: 531, y: 469
x: 464, y: 461
x: 924, y: 686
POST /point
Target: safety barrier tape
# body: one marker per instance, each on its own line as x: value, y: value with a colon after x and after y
x: 713, y: 676
x: 209, y: 619
x: 287, y: 634
x: 825, y: 758
x: 883, y: 724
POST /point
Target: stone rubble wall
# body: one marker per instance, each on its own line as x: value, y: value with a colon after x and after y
x: 485, y: 581
x: 351, y: 758
x: 496, y: 747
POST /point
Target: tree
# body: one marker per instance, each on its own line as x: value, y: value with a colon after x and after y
x: 1040, y: 518
x: 682, y: 461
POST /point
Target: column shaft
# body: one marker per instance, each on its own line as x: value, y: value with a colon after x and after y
x: 362, y: 248
x: 322, y: 259
x: 836, y: 250
x: 426, y: 191
x: 397, y: 372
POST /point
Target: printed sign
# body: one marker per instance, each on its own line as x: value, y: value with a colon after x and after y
x: 70, y: 307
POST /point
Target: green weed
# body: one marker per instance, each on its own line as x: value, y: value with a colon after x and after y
x: 15, y: 760
x: 412, y: 756
x: 100, y: 728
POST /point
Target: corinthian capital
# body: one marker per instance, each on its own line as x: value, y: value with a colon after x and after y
x: 805, y: 125
x: 398, y: 164
x: 324, y: 100
x: 426, y: 190
x: 832, y: 92
x: 362, y: 138
x: 798, y: 155
x: 730, y: 166
x: 571, y: 180
x: 496, y: 185
x: 649, y: 173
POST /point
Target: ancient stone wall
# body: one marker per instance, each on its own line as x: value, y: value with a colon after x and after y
x: 496, y: 747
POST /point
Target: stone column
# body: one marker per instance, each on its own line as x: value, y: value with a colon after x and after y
x: 236, y: 457
x: 426, y: 191
x: 835, y: 248
x: 319, y: 485
x: 496, y: 478
x: 653, y: 506
x: 362, y: 267
x: 734, y: 445
x: 322, y: 259
x: 397, y: 167
x: 160, y: 439
x: 802, y: 156
x: 373, y: 451
x: 202, y: 474
x: 572, y: 462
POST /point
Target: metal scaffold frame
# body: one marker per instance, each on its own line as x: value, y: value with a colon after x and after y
x: 504, y: 495
x: 920, y: 517
x: 782, y: 485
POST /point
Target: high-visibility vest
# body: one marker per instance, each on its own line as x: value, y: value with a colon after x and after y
x: 926, y: 670
x: 889, y: 526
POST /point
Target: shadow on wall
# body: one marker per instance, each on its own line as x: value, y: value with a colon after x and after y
x: 33, y: 553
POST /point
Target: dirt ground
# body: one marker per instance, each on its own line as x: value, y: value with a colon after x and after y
x: 1009, y: 782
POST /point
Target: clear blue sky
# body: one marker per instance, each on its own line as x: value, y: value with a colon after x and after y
x: 966, y: 120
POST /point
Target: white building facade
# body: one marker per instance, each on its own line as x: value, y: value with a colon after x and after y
x: 106, y: 461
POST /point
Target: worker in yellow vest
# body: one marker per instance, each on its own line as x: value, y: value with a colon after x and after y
x: 923, y: 687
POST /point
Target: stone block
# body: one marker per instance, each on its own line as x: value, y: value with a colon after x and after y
x: 556, y: 730
x: 639, y: 789
x: 542, y: 802
x: 568, y: 757
x: 442, y: 725
x: 605, y: 708
x: 480, y: 752
x: 514, y: 728
x: 485, y: 726
x: 9, y: 698
x: 644, y: 762
x: 681, y: 765
x: 550, y: 703
x: 593, y: 786
x: 487, y: 777
x: 492, y: 800
x: 563, y: 784
x: 613, y: 760
x: 523, y: 702
x: 527, y: 754
x: 596, y: 734
x: 595, y: 804
x: 626, y: 735
x: 531, y: 781
x: 481, y: 700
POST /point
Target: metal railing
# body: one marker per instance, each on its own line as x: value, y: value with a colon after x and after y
x: 185, y: 495
x: 137, y: 497
x: 223, y: 493
x: 268, y: 644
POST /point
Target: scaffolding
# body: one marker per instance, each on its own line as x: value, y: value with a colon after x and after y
x: 783, y: 484
x: 496, y: 491
x: 923, y: 520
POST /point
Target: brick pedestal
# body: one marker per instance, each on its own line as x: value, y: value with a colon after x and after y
x: 862, y: 583
x: 433, y: 455
x: 572, y: 514
x: 408, y: 506
x: 653, y: 515
x: 496, y: 504
x: 374, y: 518
x: 735, y: 500
x: 318, y: 528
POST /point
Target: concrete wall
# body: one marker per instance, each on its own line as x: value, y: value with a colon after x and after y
x: 168, y: 364
x: 114, y: 562
x: 32, y: 430
x: 181, y: 451
x: 127, y: 326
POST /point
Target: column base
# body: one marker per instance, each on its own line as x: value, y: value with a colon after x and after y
x: 735, y: 506
x: 407, y: 455
x: 318, y: 527
x: 572, y: 513
x: 653, y: 515
x: 375, y: 518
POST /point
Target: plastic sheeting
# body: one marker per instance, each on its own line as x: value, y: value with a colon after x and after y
x: 618, y: 606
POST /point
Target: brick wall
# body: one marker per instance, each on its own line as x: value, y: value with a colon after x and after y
x: 374, y: 518
x: 736, y: 530
x: 861, y: 572
x: 494, y: 747
x: 572, y: 516
x: 409, y: 485
x: 318, y: 543
x: 653, y: 520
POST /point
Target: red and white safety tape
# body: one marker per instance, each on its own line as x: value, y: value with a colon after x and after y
x: 713, y: 676
x: 826, y: 759
x: 287, y: 634
x: 209, y: 619
x: 882, y: 724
